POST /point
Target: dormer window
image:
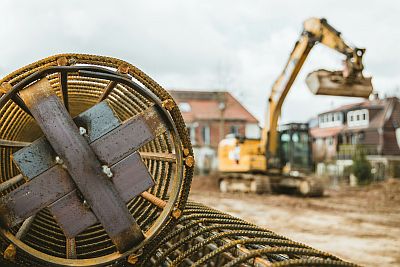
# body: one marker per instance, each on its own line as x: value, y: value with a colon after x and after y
x: 357, y: 118
x: 330, y: 120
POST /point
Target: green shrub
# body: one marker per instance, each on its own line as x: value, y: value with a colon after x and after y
x: 361, y: 167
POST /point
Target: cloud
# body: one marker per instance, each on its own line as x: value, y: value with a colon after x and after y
x: 238, y: 45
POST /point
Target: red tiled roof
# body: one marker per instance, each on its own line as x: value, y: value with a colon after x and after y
x: 206, y: 106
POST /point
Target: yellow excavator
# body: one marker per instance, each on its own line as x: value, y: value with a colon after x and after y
x: 257, y: 165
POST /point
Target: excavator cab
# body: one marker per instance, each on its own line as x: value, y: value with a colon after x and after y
x: 295, y: 148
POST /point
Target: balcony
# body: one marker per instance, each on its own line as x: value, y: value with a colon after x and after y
x: 348, y: 151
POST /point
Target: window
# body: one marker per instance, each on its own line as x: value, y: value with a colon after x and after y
x: 358, y: 118
x: 285, y: 137
x: 353, y: 139
x: 329, y: 141
x: 330, y: 120
x: 185, y: 107
x: 295, y: 137
x: 205, y: 133
x: 361, y: 136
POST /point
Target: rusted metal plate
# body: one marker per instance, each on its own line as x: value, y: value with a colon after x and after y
x: 40, y: 156
x: 119, y: 143
x: 72, y: 215
x: 31, y: 197
x: 35, y: 159
x: 98, y: 120
x: 82, y: 165
x: 131, y: 178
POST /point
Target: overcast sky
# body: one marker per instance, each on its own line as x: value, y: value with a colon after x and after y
x: 240, y: 46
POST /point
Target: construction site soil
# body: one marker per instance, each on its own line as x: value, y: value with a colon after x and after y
x: 358, y: 224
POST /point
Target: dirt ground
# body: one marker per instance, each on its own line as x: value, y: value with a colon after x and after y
x: 361, y: 225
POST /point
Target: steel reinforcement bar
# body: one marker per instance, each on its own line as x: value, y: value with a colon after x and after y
x: 207, y: 237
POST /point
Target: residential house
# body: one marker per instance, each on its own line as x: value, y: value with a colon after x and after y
x: 372, y: 126
x: 209, y: 117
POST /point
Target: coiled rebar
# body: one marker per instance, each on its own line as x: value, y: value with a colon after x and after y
x: 207, y: 237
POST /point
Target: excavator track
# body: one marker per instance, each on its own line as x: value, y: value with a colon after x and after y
x: 264, y: 184
x: 305, y: 186
x: 244, y: 182
x: 311, y: 188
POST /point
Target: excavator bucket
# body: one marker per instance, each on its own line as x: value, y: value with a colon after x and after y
x: 323, y: 82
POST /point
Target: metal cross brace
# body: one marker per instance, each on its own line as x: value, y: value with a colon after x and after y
x: 84, y: 170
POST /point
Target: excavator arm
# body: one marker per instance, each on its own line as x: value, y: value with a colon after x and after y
x: 315, y: 31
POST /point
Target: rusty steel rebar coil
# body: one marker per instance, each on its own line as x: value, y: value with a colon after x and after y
x: 102, y: 95
x: 207, y: 237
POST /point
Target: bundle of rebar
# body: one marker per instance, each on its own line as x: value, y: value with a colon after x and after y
x: 207, y: 237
